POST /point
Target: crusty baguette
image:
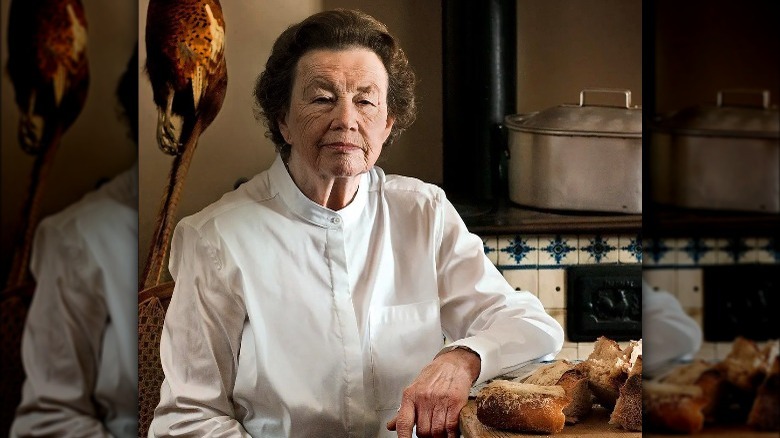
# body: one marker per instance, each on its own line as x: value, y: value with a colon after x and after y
x: 705, y: 376
x: 574, y: 383
x: 605, y: 371
x: 522, y: 407
x: 745, y: 366
x: 765, y: 413
x: 672, y: 407
x: 549, y: 374
x: 628, y: 408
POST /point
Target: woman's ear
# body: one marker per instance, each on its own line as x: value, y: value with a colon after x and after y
x: 389, y: 126
x: 284, y: 129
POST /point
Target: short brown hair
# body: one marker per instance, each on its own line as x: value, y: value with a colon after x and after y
x: 337, y: 29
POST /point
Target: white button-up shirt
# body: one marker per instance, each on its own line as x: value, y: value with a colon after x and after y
x: 291, y: 319
x: 80, y: 344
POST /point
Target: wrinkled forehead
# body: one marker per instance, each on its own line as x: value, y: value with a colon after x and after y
x: 349, y: 69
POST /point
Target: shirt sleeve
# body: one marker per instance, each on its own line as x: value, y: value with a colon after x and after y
x: 674, y: 334
x: 481, y: 311
x: 61, y: 341
x: 199, y: 345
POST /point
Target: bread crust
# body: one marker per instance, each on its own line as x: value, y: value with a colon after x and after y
x: 522, y: 407
x: 765, y: 412
x: 628, y: 408
x: 574, y: 383
x: 673, y: 407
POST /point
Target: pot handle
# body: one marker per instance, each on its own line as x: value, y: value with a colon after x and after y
x: 764, y: 95
x: 606, y: 90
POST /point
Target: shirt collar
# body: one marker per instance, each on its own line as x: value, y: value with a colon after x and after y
x: 311, y: 211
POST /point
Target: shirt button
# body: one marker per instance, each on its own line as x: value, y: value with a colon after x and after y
x: 335, y: 220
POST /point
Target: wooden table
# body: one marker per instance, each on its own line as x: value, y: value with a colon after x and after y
x: 595, y: 425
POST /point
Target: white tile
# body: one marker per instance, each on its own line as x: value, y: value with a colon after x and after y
x: 490, y: 243
x: 630, y: 249
x: 706, y: 352
x: 552, y: 288
x: 584, y: 349
x: 560, y: 316
x: 567, y: 353
x: 697, y: 314
x: 523, y: 279
x: 518, y: 250
x: 661, y: 279
x: 598, y: 249
x: 690, y: 288
x: 558, y: 250
x: 725, y: 257
x: 722, y: 349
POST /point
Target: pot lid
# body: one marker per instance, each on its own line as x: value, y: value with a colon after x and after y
x: 727, y: 119
x: 583, y: 119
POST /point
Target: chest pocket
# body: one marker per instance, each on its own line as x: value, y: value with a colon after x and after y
x: 403, y: 339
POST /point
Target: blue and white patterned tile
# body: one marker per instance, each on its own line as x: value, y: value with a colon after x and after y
x: 598, y: 249
x: 490, y: 246
x: 694, y: 251
x: 736, y: 250
x: 751, y: 253
x: 630, y: 249
x: 690, y: 286
x: 659, y: 251
x: 768, y: 249
x: 523, y: 279
x: 558, y: 250
x: 552, y: 288
x: 518, y: 250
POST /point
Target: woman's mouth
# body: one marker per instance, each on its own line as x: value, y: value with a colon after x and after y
x: 341, y: 146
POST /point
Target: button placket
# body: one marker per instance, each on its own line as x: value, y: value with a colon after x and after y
x: 345, y: 313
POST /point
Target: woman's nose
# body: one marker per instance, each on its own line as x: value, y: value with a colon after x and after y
x: 345, y: 115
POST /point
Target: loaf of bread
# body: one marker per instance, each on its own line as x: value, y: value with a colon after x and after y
x: 672, y: 408
x: 705, y: 376
x: 606, y: 371
x: 746, y: 366
x: 573, y: 381
x: 575, y: 384
x: 765, y: 413
x: 522, y: 407
x: 628, y: 408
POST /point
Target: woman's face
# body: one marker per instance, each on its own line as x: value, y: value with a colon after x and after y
x: 337, y: 121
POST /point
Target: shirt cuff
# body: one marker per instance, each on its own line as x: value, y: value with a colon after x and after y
x: 487, y: 351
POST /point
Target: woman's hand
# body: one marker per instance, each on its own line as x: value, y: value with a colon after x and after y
x: 434, y: 400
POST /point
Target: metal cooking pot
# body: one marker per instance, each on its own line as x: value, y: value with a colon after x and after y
x: 721, y: 157
x: 578, y: 157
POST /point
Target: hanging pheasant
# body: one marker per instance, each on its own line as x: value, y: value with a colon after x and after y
x: 47, y: 64
x: 185, y: 48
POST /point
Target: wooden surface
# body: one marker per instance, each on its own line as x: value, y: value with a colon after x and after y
x: 595, y: 425
x: 722, y: 432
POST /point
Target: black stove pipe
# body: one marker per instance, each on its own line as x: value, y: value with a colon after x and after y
x: 479, y: 56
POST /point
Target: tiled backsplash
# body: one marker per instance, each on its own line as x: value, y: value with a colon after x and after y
x: 537, y: 263
x: 676, y: 265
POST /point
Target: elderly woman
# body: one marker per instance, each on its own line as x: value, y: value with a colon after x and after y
x: 314, y: 299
